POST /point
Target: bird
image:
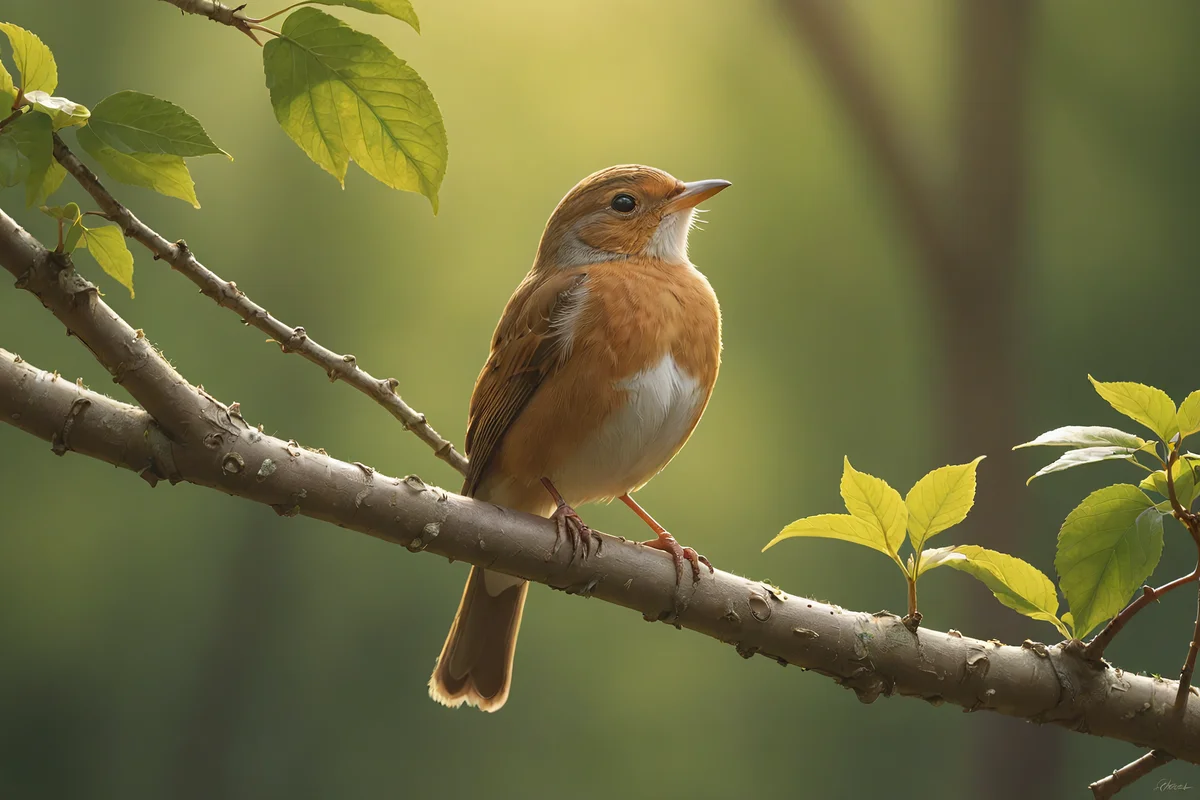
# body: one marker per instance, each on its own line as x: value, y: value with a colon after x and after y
x: 600, y: 368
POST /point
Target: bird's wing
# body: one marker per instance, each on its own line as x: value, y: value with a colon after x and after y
x: 532, y: 341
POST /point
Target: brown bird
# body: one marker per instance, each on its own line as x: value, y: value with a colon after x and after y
x: 600, y: 368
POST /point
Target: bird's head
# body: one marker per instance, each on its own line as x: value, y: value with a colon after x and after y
x: 620, y: 212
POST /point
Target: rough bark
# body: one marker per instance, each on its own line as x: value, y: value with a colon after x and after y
x: 873, y: 654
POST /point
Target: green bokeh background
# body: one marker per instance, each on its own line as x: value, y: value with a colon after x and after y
x: 179, y: 643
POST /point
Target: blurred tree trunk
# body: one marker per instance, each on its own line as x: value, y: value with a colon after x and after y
x: 968, y: 240
x: 248, y: 609
x: 980, y: 308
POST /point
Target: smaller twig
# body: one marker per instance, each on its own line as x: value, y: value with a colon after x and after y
x: 912, y: 620
x: 281, y: 11
x: 1192, y: 522
x: 1189, y: 664
x: 264, y: 29
x: 226, y: 294
x: 219, y: 13
x: 11, y: 118
x: 1111, y: 784
x: 1094, y: 650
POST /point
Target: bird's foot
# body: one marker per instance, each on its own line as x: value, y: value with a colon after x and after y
x: 666, y: 542
x: 568, y: 526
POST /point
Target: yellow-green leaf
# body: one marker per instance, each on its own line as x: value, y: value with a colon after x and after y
x: 1107, y: 547
x: 1085, y: 455
x: 1086, y: 436
x: 872, y: 500
x: 1015, y: 583
x: 8, y: 90
x: 940, y: 500
x: 107, y: 246
x: 1189, y: 414
x: 1184, y: 476
x: 134, y: 122
x: 935, y: 557
x: 34, y: 60
x: 400, y: 9
x: 63, y: 113
x: 342, y: 95
x: 165, y: 174
x: 836, y: 526
x: 1145, y: 404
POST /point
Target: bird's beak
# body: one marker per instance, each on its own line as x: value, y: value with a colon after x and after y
x: 694, y: 194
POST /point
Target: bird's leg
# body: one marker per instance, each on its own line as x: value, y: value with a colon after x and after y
x: 667, y: 543
x: 568, y: 525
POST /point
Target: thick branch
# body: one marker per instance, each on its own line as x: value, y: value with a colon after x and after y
x: 227, y: 295
x: 125, y: 353
x: 873, y: 654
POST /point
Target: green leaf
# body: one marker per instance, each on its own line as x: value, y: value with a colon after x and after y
x: 14, y: 167
x: 1016, y: 584
x: 69, y: 213
x: 34, y: 60
x: 874, y: 502
x: 400, y: 9
x: 133, y: 122
x: 74, y: 234
x: 1184, y: 474
x: 1145, y: 404
x: 1086, y: 436
x: 940, y: 500
x: 32, y: 134
x: 1189, y: 414
x: 165, y: 174
x: 1107, y: 547
x: 63, y: 113
x: 1085, y: 455
x: 342, y: 95
x: 107, y: 246
x: 836, y: 526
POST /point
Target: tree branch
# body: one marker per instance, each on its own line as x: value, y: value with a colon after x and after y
x: 1095, y: 648
x: 873, y: 654
x: 227, y: 295
x: 127, y: 355
x: 217, y: 12
x: 1121, y: 779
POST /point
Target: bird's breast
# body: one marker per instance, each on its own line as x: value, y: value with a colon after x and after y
x: 659, y: 406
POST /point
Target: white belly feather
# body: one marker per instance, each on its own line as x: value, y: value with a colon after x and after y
x: 638, y: 440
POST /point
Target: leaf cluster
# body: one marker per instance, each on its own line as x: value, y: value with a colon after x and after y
x: 340, y: 94
x: 1113, y: 540
x: 1107, y: 546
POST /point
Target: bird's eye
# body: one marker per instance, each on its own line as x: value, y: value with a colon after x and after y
x: 623, y: 203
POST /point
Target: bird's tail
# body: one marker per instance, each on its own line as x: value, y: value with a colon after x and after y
x: 475, y: 666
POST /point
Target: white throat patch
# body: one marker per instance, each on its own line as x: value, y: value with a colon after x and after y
x: 670, y: 239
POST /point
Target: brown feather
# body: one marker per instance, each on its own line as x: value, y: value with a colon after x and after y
x: 530, y: 343
x: 475, y: 666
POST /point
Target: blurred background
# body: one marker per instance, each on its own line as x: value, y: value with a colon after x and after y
x: 944, y: 216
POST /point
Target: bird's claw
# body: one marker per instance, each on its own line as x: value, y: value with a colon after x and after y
x: 568, y: 526
x: 667, y: 543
